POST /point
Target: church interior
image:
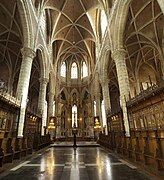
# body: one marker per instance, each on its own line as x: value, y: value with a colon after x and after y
x: 82, y: 71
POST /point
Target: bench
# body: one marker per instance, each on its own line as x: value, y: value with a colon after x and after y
x: 1, y: 153
x: 8, y: 151
x: 16, y: 148
x: 130, y: 150
x: 160, y: 163
x: 23, y: 146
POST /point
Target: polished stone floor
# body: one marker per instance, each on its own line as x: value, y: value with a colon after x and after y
x: 82, y: 163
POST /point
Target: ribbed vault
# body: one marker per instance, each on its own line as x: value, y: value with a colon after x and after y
x: 144, y: 36
x: 10, y: 44
x: 73, y: 28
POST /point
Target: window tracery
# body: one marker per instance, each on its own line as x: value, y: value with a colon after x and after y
x: 84, y: 69
x: 74, y: 71
x: 63, y: 70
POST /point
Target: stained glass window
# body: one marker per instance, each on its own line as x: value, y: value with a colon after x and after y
x: 63, y: 70
x: 74, y: 71
x: 84, y: 69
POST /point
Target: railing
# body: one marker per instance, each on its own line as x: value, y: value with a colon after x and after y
x: 80, y: 133
x: 145, y: 94
x: 10, y: 99
x: 146, y: 110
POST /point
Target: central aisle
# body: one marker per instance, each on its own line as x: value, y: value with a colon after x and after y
x: 82, y: 163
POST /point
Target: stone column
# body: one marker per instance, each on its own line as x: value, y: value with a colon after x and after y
x: 97, y: 99
x: 123, y: 81
x: 50, y: 104
x: 41, y: 100
x: 23, y: 84
x: 58, y: 128
x: 58, y: 118
x: 92, y: 119
x: 106, y: 98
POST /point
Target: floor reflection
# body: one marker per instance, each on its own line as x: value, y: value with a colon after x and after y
x: 51, y: 163
x: 82, y: 163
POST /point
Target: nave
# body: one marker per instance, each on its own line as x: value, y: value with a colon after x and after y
x: 81, y: 163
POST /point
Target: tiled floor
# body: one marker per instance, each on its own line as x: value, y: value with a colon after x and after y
x: 82, y: 163
x: 79, y: 144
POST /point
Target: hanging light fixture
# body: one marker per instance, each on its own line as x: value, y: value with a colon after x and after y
x: 97, y: 123
x: 51, y: 124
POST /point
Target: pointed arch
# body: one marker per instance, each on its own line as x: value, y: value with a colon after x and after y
x: 120, y: 23
x: 42, y: 60
x: 74, y: 90
x: 74, y: 70
x: 26, y: 22
x: 65, y: 92
x: 74, y: 95
x: 105, y: 60
x: 84, y: 91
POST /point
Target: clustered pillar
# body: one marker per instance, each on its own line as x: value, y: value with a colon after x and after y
x: 41, y: 101
x: 50, y: 104
x: 106, y: 98
x: 23, y: 84
x: 97, y: 98
x: 123, y: 80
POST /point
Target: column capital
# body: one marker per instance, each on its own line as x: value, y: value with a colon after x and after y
x: 28, y: 52
x: 118, y: 54
x: 43, y: 80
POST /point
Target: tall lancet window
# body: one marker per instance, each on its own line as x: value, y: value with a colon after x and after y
x: 63, y: 70
x: 74, y: 71
x: 74, y: 116
x: 84, y: 69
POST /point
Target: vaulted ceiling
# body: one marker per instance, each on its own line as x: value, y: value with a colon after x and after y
x: 11, y: 41
x: 143, y: 42
x: 73, y: 28
x: 144, y: 38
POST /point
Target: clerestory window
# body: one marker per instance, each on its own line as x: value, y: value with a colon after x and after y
x: 74, y: 71
x: 84, y: 69
x: 63, y: 70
